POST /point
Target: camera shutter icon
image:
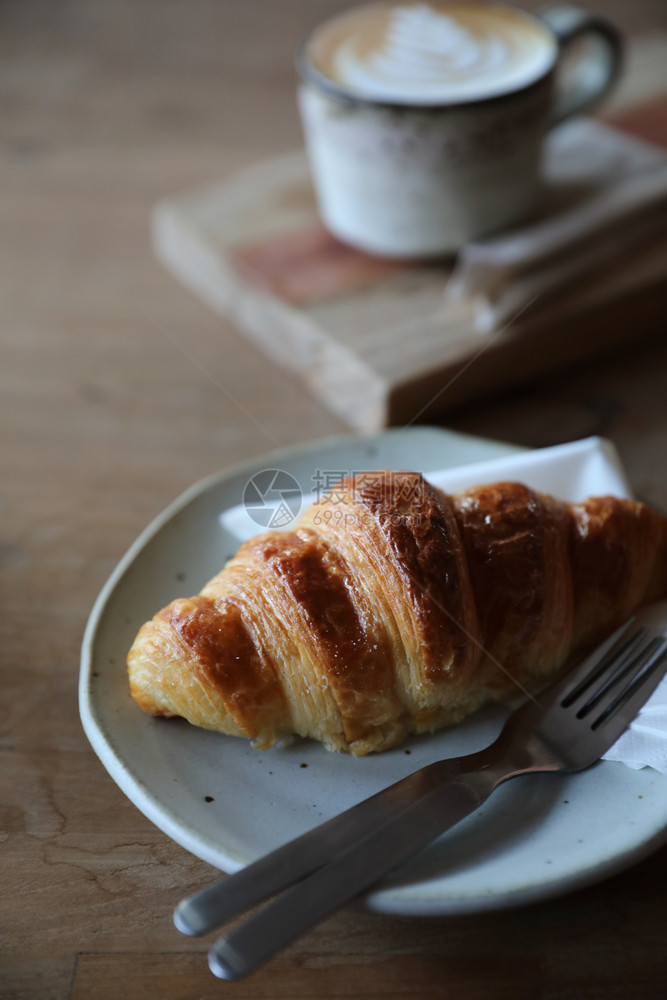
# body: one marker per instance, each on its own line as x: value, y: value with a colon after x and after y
x: 272, y: 498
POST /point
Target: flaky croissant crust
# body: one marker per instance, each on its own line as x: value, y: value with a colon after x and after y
x: 393, y: 608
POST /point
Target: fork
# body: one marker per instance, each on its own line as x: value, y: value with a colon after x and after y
x: 568, y: 728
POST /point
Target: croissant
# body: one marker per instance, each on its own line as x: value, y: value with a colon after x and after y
x: 393, y: 608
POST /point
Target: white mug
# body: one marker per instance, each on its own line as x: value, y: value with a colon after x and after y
x: 424, y: 122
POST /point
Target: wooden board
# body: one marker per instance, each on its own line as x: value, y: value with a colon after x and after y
x: 376, y: 341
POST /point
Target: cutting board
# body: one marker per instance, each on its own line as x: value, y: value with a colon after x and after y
x: 376, y: 341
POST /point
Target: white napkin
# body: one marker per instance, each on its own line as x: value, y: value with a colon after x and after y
x: 573, y: 471
x: 604, y: 210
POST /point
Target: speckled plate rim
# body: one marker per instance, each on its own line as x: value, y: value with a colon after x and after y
x: 429, y: 887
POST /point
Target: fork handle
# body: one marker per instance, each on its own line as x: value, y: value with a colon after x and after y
x: 227, y: 897
x: 216, y: 903
x: 325, y: 890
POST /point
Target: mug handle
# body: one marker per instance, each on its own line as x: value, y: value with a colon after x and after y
x: 594, y: 72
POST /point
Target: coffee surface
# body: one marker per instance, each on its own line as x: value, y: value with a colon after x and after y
x: 439, y: 53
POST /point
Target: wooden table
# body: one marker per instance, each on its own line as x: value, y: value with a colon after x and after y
x: 119, y: 390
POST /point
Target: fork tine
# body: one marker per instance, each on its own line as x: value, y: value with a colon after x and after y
x: 573, y: 683
x: 609, y: 669
x: 625, y: 705
x: 628, y: 667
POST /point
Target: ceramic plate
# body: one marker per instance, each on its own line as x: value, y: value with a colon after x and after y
x: 229, y: 804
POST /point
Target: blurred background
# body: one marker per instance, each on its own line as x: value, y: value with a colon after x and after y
x: 108, y: 107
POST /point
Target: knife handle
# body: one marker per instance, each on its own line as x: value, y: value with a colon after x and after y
x: 371, y: 856
x: 214, y: 905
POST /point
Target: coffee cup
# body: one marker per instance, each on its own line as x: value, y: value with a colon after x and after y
x: 425, y: 122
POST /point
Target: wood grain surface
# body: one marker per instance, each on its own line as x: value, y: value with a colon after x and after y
x: 373, y: 339
x: 118, y: 390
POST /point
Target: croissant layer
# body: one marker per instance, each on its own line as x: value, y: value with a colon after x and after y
x: 393, y: 608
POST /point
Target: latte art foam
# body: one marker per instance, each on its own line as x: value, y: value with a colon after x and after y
x: 440, y: 53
